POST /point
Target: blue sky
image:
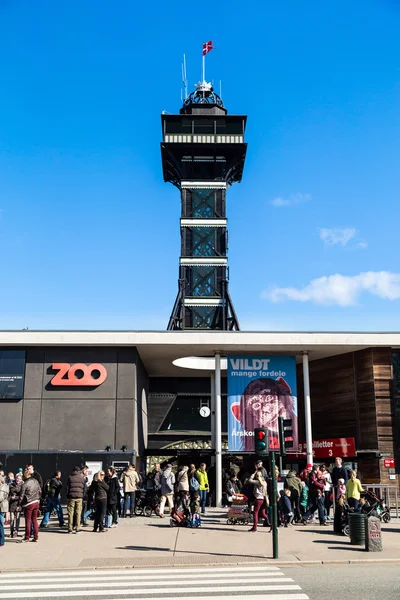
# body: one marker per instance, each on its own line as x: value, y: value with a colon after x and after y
x: 90, y: 233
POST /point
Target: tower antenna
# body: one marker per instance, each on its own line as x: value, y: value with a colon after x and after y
x: 184, y: 77
x: 220, y: 89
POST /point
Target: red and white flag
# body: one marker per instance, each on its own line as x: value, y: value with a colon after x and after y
x: 207, y: 47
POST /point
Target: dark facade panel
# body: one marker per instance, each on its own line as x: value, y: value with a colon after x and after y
x: 10, y: 424
x: 77, y: 423
x: 126, y: 383
x: 125, y: 423
x: 30, y: 426
x: 34, y: 372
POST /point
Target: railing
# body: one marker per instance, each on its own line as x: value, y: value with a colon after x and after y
x: 202, y: 138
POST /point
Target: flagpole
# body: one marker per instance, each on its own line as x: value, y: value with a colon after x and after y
x: 203, y: 67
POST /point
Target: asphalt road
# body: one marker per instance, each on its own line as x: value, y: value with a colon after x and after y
x: 322, y: 582
x: 348, y: 582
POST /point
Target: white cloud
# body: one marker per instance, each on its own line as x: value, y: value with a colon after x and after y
x: 341, y: 236
x: 290, y: 200
x: 341, y: 290
x: 331, y: 237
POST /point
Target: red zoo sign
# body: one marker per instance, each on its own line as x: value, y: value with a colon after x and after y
x: 388, y: 463
x: 330, y: 448
x: 67, y: 375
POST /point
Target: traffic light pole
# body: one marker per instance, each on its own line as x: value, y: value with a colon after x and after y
x: 274, y: 508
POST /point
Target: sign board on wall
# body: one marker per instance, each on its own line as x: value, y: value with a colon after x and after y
x: 78, y: 374
x: 330, y: 448
x: 12, y: 374
x: 93, y: 468
x: 260, y: 389
x: 388, y: 463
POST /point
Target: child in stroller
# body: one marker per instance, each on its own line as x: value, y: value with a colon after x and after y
x: 181, y: 514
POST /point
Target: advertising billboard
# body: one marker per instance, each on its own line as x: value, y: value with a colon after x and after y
x: 12, y: 374
x: 260, y: 389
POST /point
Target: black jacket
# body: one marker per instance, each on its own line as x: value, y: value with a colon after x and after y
x: 54, y: 487
x: 113, y: 491
x: 14, y: 495
x: 75, y: 486
x: 100, y: 490
x: 39, y: 478
x: 339, y: 473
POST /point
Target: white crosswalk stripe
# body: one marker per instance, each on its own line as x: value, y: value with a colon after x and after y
x: 252, y: 583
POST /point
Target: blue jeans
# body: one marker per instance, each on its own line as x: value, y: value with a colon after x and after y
x: 203, y: 500
x: 317, y: 503
x: 2, y: 519
x: 129, y: 497
x: 87, y: 514
x: 53, y: 503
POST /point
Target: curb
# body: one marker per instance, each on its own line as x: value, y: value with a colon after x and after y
x: 267, y: 561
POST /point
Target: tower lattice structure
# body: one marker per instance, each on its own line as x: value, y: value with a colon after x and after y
x: 203, y: 153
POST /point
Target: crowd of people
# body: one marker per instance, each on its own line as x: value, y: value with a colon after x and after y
x: 106, y: 499
x: 311, y: 492
x: 111, y: 496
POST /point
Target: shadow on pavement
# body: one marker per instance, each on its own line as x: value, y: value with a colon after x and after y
x: 175, y: 552
x: 348, y: 548
x: 144, y: 548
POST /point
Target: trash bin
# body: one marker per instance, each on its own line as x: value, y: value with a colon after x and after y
x: 357, y: 529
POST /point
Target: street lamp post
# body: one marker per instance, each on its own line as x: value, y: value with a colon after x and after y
x: 218, y: 431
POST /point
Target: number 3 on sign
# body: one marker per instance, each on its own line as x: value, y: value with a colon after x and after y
x: 330, y: 453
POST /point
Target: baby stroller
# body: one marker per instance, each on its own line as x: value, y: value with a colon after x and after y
x: 147, y: 503
x: 239, y: 512
x: 375, y: 506
x: 341, y: 518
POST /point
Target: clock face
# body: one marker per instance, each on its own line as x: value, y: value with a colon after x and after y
x: 205, y: 411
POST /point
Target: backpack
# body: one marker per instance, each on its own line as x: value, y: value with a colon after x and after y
x: 47, y: 488
x: 167, y: 480
x: 194, y: 484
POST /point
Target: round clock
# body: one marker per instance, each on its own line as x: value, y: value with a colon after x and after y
x: 205, y: 411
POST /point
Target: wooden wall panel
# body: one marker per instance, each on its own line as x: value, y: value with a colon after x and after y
x: 383, y: 375
x: 367, y: 432
x: 332, y: 397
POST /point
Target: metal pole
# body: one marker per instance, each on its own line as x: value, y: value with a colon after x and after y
x: 218, y: 431
x: 213, y: 417
x: 274, y: 509
x: 203, y: 70
x: 307, y: 408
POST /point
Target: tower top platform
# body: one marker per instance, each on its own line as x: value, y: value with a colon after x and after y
x: 204, y: 100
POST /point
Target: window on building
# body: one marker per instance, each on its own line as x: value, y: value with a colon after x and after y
x: 184, y: 414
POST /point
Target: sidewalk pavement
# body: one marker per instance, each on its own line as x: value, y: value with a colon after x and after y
x: 151, y: 542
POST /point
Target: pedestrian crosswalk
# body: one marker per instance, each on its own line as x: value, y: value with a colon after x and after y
x: 201, y: 583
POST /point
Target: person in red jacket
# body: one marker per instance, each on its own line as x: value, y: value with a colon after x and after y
x: 304, y: 475
x: 316, y: 484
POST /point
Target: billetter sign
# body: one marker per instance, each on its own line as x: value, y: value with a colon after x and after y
x: 67, y: 375
x: 330, y: 448
x: 260, y: 389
